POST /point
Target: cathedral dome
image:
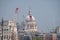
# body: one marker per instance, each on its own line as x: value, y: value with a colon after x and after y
x: 28, y: 18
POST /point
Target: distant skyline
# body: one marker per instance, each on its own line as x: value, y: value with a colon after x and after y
x: 46, y: 12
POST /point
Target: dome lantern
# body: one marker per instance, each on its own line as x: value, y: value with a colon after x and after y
x: 30, y: 17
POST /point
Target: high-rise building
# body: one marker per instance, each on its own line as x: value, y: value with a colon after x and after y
x: 9, y: 31
x: 5, y: 31
x: 0, y: 32
x: 57, y: 30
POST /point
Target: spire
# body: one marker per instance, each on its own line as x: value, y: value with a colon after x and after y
x: 2, y: 22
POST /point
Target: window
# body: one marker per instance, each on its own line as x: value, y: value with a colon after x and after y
x: 5, y: 29
x: 5, y: 36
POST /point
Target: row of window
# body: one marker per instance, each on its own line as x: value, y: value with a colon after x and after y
x: 6, y: 37
x: 5, y: 29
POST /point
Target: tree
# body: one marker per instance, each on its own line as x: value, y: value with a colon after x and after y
x: 38, y: 38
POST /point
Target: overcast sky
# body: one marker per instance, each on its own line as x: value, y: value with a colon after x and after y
x: 46, y: 12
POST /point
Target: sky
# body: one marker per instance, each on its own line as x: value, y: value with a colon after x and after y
x: 46, y: 12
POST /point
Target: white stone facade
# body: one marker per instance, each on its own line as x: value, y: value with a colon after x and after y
x: 8, y: 27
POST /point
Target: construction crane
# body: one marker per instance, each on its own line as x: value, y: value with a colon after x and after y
x: 15, y: 16
x: 14, y: 35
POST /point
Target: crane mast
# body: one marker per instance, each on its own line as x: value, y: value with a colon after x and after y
x: 14, y: 34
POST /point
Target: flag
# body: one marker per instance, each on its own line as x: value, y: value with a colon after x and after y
x: 17, y: 10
